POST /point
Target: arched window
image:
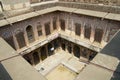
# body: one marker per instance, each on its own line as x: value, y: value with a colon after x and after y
x: 39, y: 29
x: 47, y: 28
x: 62, y: 24
x: 87, y: 31
x: 76, y: 51
x: 36, y: 58
x: 77, y: 29
x: 98, y: 35
x: 20, y: 39
x: 30, y: 34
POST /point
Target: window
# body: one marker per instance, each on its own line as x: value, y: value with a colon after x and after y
x: 98, y: 35
x: 62, y: 24
x: 30, y: 34
x: 87, y: 31
x: 20, y: 39
x: 77, y: 29
x: 47, y: 28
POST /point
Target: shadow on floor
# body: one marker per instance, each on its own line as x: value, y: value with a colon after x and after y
x: 4, y: 74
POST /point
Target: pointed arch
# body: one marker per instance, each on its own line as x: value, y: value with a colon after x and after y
x: 30, y: 34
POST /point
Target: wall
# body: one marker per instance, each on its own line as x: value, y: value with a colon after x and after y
x: 108, y: 27
x: 15, y: 4
x: 104, y: 2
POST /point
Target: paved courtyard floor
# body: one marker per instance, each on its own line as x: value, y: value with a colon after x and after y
x: 51, y: 66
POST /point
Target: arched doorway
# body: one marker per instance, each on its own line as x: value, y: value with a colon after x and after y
x: 56, y: 43
x: 54, y: 23
x: 84, y: 52
x: 30, y: 34
x: 87, y: 31
x: 47, y: 28
x: 50, y: 49
x: 28, y: 59
x: 36, y: 58
x: 76, y: 51
x: 92, y: 55
x: 43, y: 53
x: 78, y: 29
x: 69, y: 48
x: 20, y: 39
x: 39, y: 29
x: 63, y: 46
x: 98, y: 35
x: 62, y: 24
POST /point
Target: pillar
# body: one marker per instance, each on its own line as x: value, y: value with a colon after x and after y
x: 32, y: 59
x: 66, y: 25
x: 51, y: 24
x: 53, y: 47
x: 60, y: 46
x: 35, y: 31
x: 39, y: 54
x: 72, y: 27
x: 58, y: 23
x: 43, y: 30
x: 105, y: 37
x: 26, y: 38
x: 92, y: 34
x: 88, y: 54
x: 72, y: 45
x: 15, y: 42
x: 66, y: 47
x: 46, y: 51
x: 82, y: 32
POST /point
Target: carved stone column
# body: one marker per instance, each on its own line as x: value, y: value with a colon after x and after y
x: 51, y: 24
x: 26, y: 38
x: 88, y: 54
x: 82, y: 32
x: 66, y: 46
x: 66, y: 24
x: 43, y: 30
x: 72, y: 45
x: 32, y: 59
x: 35, y: 31
x: 39, y: 54
x: 54, y: 51
x: 15, y: 42
x: 58, y: 23
x: 46, y: 51
x: 92, y: 34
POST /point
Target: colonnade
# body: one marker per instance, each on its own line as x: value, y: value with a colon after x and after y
x: 77, y: 50
x: 34, y: 33
x: 49, y: 49
x: 42, y: 53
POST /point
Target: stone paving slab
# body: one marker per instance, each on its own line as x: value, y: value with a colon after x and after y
x: 60, y: 57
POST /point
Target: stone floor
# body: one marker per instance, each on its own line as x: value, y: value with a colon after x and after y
x: 60, y: 58
x: 61, y: 73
